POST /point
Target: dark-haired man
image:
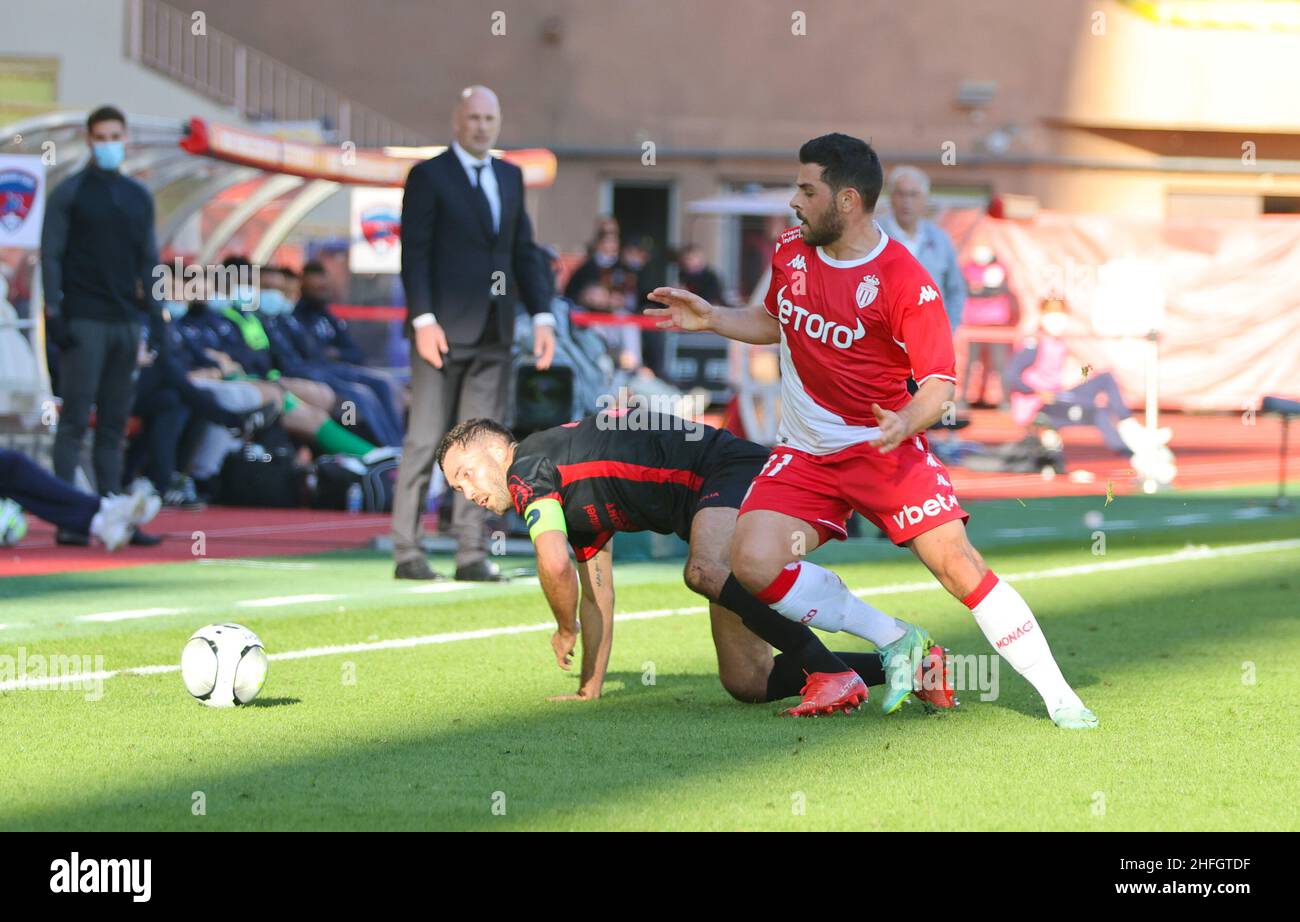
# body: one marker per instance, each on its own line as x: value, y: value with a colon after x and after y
x: 855, y: 315
x: 98, y: 254
x: 578, y: 484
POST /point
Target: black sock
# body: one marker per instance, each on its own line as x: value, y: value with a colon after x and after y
x: 787, y: 675
x: 791, y: 638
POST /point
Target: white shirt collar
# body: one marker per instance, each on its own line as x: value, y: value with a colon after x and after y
x: 851, y: 263
x: 468, y: 160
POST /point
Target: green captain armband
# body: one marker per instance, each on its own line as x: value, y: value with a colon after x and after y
x: 544, y: 515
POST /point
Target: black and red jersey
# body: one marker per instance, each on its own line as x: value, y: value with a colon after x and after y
x: 616, y: 472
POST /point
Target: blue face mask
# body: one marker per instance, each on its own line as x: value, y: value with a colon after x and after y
x: 109, y: 154
x: 176, y: 309
x: 273, y: 303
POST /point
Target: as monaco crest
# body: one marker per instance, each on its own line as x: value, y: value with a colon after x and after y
x: 867, y: 290
x: 382, y: 227
x: 17, y: 193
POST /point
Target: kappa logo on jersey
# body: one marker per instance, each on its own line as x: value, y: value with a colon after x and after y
x: 927, y: 294
x: 798, y: 263
x: 868, y: 288
x: 911, y: 515
x: 816, y: 326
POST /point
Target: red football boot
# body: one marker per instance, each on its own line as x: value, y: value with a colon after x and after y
x: 934, y: 681
x: 829, y: 692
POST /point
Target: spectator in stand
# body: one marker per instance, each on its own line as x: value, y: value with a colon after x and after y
x: 327, y: 342
x: 696, y: 276
x: 292, y: 283
x: 303, y: 403
x: 603, y: 267
x: 98, y: 254
x: 909, y: 201
x: 243, y: 349
x: 1050, y: 392
x: 167, y: 400
x: 622, y: 340
x: 991, y: 304
x: 111, y: 520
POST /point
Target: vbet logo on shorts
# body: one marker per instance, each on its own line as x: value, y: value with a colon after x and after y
x: 911, y: 515
x: 816, y: 326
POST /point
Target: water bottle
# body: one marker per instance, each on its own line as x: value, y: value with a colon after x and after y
x: 354, y: 498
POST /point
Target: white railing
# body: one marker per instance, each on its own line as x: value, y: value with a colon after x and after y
x: 258, y: 86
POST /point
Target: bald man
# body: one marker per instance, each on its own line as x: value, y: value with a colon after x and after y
x: 909, y: 202
x: 467, y: 256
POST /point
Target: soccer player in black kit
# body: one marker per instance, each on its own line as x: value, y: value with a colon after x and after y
x: 578, y: 484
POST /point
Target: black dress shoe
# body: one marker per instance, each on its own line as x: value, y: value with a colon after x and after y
x: 72, y: 538
x: 415, y: 569
x: 144, y: 539
x: 480, y: 571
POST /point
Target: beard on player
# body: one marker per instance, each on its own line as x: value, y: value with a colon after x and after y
x: 823, y: 230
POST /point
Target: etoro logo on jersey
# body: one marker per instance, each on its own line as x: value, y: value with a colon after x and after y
x: 816, y: 326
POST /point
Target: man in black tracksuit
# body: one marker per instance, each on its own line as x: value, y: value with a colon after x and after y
x: 98, y: 256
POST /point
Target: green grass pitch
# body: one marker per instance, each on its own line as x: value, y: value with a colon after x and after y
x: 1192, y: 663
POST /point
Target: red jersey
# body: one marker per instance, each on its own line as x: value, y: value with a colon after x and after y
x: 852, y: 331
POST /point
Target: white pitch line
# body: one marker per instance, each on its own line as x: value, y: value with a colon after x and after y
x: 255, y: 564
x: 277, y: 600
x: 1186, y: 554
x: 128, y: 614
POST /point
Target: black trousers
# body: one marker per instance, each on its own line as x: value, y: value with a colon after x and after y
x: 46, y: 497
x: 100, y: 372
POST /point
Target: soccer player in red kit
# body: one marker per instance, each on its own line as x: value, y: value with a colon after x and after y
x: 856, y: 315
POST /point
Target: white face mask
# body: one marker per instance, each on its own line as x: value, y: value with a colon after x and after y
x: 1054, y: 323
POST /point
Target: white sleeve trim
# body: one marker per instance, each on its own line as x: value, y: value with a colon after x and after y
x: 423, y: 320
x: 944, y: 377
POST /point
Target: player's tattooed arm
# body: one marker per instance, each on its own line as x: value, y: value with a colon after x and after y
x: 688, y: 312
x: 596, y: 614
x: 560, y: 585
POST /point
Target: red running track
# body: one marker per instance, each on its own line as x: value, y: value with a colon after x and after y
x: 1212, y: 451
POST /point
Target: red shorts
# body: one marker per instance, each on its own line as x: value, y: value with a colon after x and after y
x: 905, y: 493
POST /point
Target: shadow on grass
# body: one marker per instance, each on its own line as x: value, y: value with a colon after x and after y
x: 552, y: 761
x: 273, y: 702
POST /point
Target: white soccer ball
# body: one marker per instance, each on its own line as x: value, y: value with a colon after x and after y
x: 224, y: 665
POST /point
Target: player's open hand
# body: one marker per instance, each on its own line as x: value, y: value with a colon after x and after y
x: 563, y: 642
x: 682, y: 310
x: 892, y: 429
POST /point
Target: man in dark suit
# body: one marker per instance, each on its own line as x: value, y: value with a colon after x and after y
x: 467, y: 253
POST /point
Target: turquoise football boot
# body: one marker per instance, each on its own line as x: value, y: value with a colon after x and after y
x: 901, y: 661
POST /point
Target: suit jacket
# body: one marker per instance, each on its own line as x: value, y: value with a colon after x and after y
x: 450, y: 254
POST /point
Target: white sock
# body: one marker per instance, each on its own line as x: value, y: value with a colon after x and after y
x: 1013, y: 630
x: 813, y: 595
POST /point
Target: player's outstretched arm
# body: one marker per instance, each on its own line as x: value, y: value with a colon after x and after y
x: 596, y: 614
x: 688, y: 312
x: 559, y: 583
